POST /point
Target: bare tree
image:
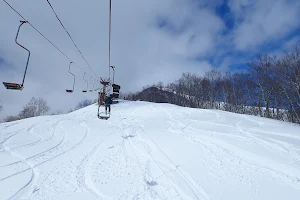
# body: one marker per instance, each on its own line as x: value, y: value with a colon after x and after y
x: 35, y: 107
x: 1, y: 107
x: 57, y: 112
x: 11, y: 118
x: 160, y: 85
x: 263, y: 71
x: 214, y: 76
x: 83, y: 104
x: 42, y: 107
x: 227, y: 90
x: 270, y: 88
x: 27, y: 112
x: 288, y: 72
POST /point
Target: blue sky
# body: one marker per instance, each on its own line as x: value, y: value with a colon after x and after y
x: 152, y: 41
x: 223, y: 11
x: 248, y: 15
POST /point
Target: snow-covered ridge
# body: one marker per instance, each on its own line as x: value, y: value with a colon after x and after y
x: 149, y: 151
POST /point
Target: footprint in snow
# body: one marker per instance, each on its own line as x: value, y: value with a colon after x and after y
x: 35, y: 190
x: 151, y: 183
x: 128, y: 136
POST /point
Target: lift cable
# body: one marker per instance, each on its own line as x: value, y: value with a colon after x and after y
x: 71, y: 37
x: 44, y: 37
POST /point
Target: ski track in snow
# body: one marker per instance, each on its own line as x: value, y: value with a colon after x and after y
x: 149, y: 180
x: 19, y: 156
x: 71, y: 154
x: 294, y: 180
x: 29, y: 160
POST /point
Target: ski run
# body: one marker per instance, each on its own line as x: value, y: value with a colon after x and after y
x: 149, y: 151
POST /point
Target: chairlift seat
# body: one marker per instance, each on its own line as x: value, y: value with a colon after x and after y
x: 84, y: 91
x: 91, y: 90
x: 69, y: 91
x: 115, y: 95
x: 116, y: 86
x: 117, y: 90
x: 13, y: 86
x: 103, y: 115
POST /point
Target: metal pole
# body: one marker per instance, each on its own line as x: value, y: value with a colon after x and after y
x: 109, y: 38
x: 114, y: 77
x: 113, y: 67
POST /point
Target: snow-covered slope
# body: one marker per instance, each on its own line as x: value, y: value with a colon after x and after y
x: 149, y: 151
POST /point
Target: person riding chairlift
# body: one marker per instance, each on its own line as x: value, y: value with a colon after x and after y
x: 108, y: 102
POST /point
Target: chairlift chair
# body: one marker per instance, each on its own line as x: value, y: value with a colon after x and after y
x: 96, y: 86
x: 87, y: 84
x: 91, y: 90
x: 17, y: 86
x: 101, y: 97
x: 68, y: 90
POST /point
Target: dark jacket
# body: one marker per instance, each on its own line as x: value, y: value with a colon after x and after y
x: 108, y: 101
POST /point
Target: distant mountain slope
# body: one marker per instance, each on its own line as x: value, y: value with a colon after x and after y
x: 154, y: 94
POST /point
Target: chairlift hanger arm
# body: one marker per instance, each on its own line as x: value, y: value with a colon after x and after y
x: 37, y: 30
x: 16, y: 40
x: 73, y: 76
x: 92, y: 83
x: 16, y: 86
x: 87, y: 84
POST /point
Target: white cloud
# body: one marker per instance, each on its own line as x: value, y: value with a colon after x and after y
x: 287, y: 46
x: 263, y: 21
x: 291, y: 44
x: 142, y: 53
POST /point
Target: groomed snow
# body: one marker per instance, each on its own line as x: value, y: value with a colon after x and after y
x: 149, y: 151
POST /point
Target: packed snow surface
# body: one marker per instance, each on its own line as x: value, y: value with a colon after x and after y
x: 149, y: 151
